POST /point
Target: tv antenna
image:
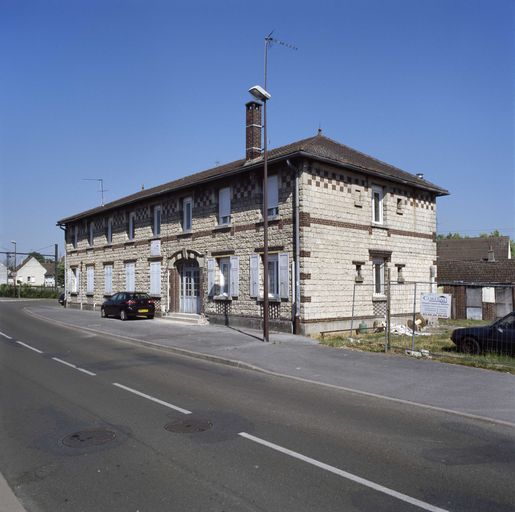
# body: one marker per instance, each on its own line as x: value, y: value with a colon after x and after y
x: 102, y: 190
x: 269, y: 40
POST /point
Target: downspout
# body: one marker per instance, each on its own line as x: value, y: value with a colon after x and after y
x: 65, y: 277
x: 296, y: 215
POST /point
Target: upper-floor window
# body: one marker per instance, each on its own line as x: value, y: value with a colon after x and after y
x: 187, y: 213
x: 131, y: 226
x: 273, y: 195
x: 224, y: 205
x: 91, y: 238
x: 377, y: 205
x: 75, y: 239
x: 109, y: 230
x: 156, y: 227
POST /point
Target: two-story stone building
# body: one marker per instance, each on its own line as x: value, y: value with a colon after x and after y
x: 338, y: 218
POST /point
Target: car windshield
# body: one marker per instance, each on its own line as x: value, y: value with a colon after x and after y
x: 139, y: 296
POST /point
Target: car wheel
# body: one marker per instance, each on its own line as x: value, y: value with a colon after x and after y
x: 469, y: 345
x: 150, y: 317
x: 123, y: 315
x: 103, y: 313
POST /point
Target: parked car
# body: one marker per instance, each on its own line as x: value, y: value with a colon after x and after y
x: 128, y: 305
x: 496, y: 337
x: 62, y: 299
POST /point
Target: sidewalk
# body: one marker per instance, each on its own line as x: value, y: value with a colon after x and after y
x: 470, y: 391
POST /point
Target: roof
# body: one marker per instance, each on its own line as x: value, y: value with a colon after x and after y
x: 473, y: 249
x: 476, y: 272
x: 50, y: 269
x: 318, y: 147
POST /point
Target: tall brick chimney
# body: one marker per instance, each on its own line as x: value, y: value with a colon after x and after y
x: 253, y: 130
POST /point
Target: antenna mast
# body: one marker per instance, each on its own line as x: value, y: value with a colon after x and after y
x: 101, y: 187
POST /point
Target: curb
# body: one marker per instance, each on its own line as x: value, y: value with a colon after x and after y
x: 247, y: 366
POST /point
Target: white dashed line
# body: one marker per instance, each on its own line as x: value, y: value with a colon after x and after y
x: 73, y: 366
x: 139, y: 393
x: 5, y: 335
x: 344, y: 474
x: 29, y: 347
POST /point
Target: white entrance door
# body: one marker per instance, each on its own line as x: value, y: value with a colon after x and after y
x: 190, y: 300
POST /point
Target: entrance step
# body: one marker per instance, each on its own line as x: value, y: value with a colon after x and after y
x: 186, y: 318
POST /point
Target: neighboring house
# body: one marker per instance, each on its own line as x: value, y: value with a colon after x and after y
x: 3, y: 274
x: 480, y: 275
x: 338, y: 218
x: 34, y: 273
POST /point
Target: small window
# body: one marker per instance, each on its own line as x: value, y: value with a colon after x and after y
x: 273, y: 195
x: 358, y: 278
x: 156, y: 228
x: 399, y: 206
x: 358, y: 198
x: 379, y: 271
x: 224, y: 206
x: 109, y: 231
x: 400, y: 272
x: 131, y: 226
x: 273, y: 275
x: 91, y: 233
x: 187, y: 214
x: 377, y: 205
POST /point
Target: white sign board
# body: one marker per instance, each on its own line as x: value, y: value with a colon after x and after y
x: 435, y: 304
x: 155, y: 248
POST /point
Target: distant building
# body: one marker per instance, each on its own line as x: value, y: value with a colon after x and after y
x: 480, y: 275
x: 33, y: 273
x: 3, y: 274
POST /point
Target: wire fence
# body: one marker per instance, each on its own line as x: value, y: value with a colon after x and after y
x: 465, y: 323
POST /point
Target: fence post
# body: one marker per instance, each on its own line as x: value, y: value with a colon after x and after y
x: 414, y: 316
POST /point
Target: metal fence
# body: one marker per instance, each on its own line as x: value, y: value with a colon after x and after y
x: 392, y: 318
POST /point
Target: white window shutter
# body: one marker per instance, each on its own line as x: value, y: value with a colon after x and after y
x: 254, y: 275
x: 284, y: 282
x: 130, y: 280
x: 235, y: 276
x: 77, y: 282
x: 155, y: 278
x: 90, y: 279
x: 210, y: 277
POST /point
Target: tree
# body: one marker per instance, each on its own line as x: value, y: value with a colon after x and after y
x: 38, y: 256
x: 60, y: 273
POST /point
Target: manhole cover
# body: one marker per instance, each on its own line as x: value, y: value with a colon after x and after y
x: 188, y: 426
x: 86, y: 438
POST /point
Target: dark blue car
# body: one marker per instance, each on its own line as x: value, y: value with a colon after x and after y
x: 497, y: 337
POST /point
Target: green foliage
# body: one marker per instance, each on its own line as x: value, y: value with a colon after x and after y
x: 28, y: 292
x: 38, y: 256
x: 60, y: 274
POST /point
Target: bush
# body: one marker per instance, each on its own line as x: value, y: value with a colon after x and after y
x: 28, y: 292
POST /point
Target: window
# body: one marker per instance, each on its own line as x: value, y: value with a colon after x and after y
x: 358, y: 278
x: 273, y: 275
x: 157, y: 221
x: 377, y: 205
x: 90, y: 280
x: 108, y: 279
x: 187, y: 213
x: 109, y: 231
x: 75, y: 236
x: 223, y: 277
x: 273, y: 195
x: 91, y: 238
x: 278, y: 276
x: 379, y: 270
x: 358, y: 199
x: 224, y: 206
x: 155, y: 278
x: 74, y: 280
x: 130, y: 227
x: 399, y: 206
x: 400, y: 272
x: 130, y: 277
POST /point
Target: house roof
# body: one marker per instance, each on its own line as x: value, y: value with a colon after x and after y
x: 50, y: 269
x: 318, y: 147
x: 473, y: 249
x: 476, y: 272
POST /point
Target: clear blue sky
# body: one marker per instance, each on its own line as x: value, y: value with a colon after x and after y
x: 142, y: 92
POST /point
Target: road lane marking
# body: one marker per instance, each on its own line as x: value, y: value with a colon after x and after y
x: 344, y: 474
x: 73, y: 366
x: 28, y: 346
x: 157, y: 400
x: 5, y: 335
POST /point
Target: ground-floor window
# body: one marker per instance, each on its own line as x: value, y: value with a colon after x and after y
x: 108, y: 279
x: 155, y: 278
x: 130, y: 277
x: 223, y: 276
x: 90, y: 280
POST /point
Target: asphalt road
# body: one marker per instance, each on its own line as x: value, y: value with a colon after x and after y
x: 83, y: 429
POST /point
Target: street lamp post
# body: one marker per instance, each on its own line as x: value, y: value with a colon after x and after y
x: 261, y: 94
x: 14, y: 243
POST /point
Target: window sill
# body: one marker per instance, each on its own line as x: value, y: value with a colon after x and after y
x: 273, y: 298
x: 184, y: 234
x: 379, y: 225
x: 379, y: 298
x: 90, y: 294
x: 129, y: 242
x: 224, y: 298
x: 223, y: 227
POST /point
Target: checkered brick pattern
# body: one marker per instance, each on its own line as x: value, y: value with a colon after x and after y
x: 334, y: 181
x: 203, y: 199
x: 243, y: 189
x: 286, y: 181
x: 119, y: 219
x: 170, y: 207
x: 142, y: 213
x: 98, y: 225
x: 380, y: 309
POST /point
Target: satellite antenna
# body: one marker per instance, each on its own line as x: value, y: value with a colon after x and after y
x: 101, y: 187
